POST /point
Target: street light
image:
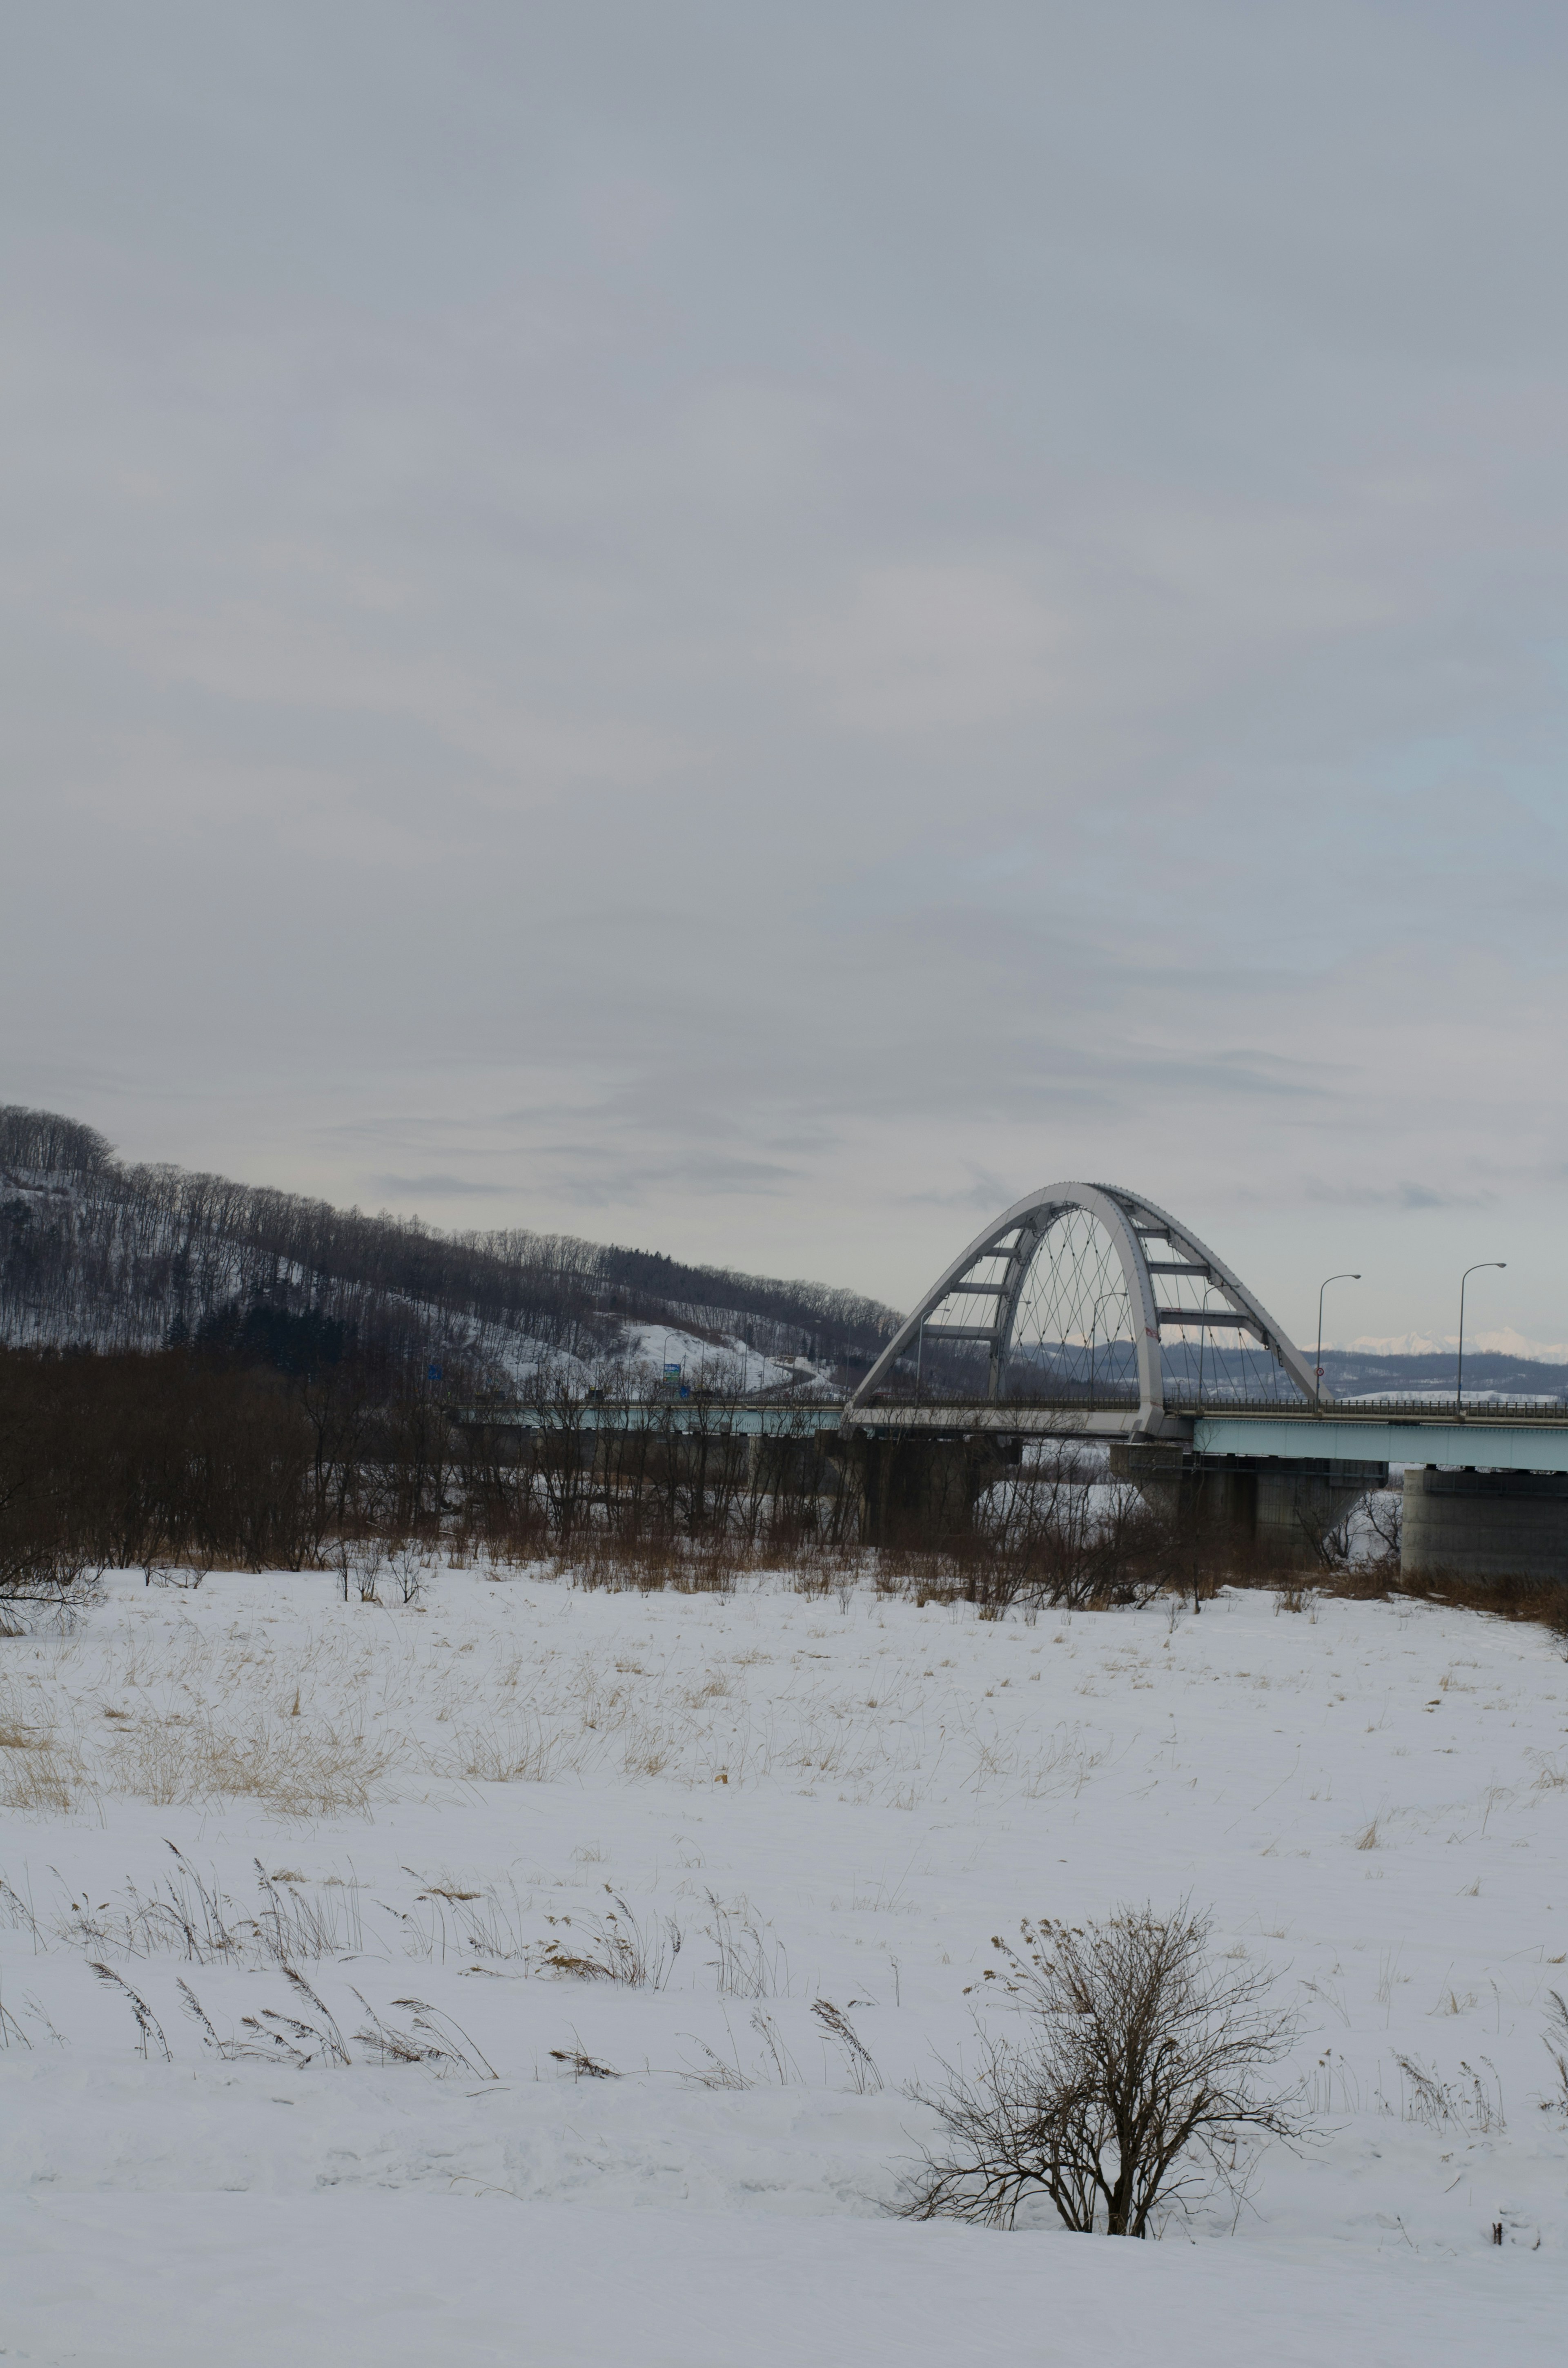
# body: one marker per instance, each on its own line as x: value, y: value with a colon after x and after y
x: 1458, y: 1378
x: 1317, y: 1367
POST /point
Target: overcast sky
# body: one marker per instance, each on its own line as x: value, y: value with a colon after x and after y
x: 752, y: 629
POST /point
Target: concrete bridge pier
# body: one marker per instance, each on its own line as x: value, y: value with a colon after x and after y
x: 915, y: 1491
x: 1281, y: 1509
x: 1479, y: 1524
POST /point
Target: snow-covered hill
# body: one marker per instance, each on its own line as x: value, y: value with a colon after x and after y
x: 96, y: 1253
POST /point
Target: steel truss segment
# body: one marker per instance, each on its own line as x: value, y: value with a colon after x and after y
x: 1243, y: 1301
x: 1131, y: 1226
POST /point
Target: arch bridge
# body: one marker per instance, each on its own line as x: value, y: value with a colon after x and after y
x: 1085, y: 1311
x: 1088, y: 1298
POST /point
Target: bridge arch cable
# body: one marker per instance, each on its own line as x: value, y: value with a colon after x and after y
x: 1089, y: 1294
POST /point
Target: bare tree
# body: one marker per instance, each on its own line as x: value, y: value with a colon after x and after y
x: 1132, y: 2083
x: 1385, y: 1518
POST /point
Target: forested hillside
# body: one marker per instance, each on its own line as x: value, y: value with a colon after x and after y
x: 94, y: 1252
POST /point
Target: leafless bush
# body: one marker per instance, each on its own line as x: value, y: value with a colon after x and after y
x: 368, y: 1564
x: 405, y: 1561
x: 1134, y: 2080
x: 1384, y: 1511
x: 358, y: 1562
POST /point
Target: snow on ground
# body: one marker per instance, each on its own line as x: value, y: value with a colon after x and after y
x: 648, y: 1350
x: 837, y: 1797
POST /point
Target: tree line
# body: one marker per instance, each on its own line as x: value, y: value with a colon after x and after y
x: 288, y: 1444
x: 95, y: 1251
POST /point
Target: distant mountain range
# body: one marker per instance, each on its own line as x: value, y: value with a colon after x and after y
x: 1506, y: 1343
x: 1371, y: 1367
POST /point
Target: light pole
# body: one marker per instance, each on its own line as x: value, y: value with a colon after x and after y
x: 1458, y: 1378
x: 1317, y: 1366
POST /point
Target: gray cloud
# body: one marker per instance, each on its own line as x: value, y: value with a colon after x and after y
x: 746, y: 623
x: 405, y: 1189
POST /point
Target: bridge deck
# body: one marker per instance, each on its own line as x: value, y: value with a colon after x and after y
x: 1496, y: 1438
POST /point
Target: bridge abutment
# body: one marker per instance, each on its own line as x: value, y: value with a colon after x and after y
x: 1469, y: 1523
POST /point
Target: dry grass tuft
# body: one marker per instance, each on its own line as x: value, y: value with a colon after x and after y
x: 296, y: 1771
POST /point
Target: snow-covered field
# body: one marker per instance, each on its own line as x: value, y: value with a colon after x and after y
x: 781, y: 1800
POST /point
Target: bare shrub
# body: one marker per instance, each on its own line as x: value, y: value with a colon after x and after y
x: 406, y: 1562
x: 370, y: 1557
x: 1134, y: 2080
x: 1385, y: 1514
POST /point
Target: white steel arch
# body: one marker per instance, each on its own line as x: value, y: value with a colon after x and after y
x: 997, y: 1265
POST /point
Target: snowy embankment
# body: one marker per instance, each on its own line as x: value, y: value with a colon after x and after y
x: 430, y: 1815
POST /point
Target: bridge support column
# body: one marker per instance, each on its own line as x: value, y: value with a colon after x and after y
x: 1477, y: 1525
x: 1282, y: 1509
x: 917, y: 1492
